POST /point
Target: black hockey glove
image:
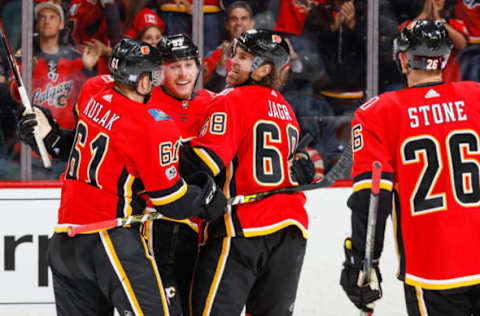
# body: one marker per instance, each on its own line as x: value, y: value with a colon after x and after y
x: 212, y: 201
x: 351, y: 280
x: 302, y: 169
x: 47, y: 126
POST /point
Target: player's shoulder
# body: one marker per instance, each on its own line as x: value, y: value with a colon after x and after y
x: 98, y: 83
x: 379, y: 110
x: 469, y: 86
x: 204, y: 94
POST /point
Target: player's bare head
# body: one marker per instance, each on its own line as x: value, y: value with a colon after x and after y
x: 422, y: 46
x: 181, y: 64
x: 258, y: 55
x: 133, y: 60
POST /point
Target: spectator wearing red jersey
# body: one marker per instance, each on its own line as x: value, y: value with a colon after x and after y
x: 457, y: 31
x: 147, y: 27
x: 239, y: 18
x: 58, y: 71
x: 469, y: 12
x: 101, y: 23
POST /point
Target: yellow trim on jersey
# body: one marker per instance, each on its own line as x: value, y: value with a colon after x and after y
x: 442, y: 284
x: 127, y: 209
x: 367, y: 185
x: 420, y: 301
x: 157, y: 276
x: 343, y: 95
x: 217, y: 276
x: 229, y: 228
x: 187, y: 222
x: 122, y: 276
x: 170, y: 197
x: 267, y: 230
x: 171, y: 7
x: 207, y: 160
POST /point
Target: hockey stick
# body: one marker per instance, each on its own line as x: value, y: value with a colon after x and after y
x: 24, y: 97
x: 344, y: 162
x: 371, y: 223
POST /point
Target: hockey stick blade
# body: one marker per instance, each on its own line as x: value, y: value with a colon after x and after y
x: 23, y: 96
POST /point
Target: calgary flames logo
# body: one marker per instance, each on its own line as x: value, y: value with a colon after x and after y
x: 471, y: 3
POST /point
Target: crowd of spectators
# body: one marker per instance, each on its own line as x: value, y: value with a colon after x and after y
x: 325, y: 81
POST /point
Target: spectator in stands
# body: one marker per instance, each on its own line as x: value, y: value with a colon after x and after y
x: 457, y: 31
x: 469, y: 12
x: 147, y: 27
x: 239, y: 18
x: 101, y: 23
x: 338, y: 28
x: 177, y: 15
x: 58, y: 71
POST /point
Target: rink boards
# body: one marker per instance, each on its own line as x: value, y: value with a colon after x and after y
x: 28, y: 216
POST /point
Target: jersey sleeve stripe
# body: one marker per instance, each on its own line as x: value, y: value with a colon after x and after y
x: 163, y: 197
x: 364, y: 182
x: 209, y: 160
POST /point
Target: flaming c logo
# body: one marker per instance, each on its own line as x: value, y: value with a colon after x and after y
x: 145, y: 50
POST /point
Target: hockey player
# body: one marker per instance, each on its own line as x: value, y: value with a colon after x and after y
x: 431, y: 168
x: 253, y: 255
x: 121, y: 147
x: 175, y: 242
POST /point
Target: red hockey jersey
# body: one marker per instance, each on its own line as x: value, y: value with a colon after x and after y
x: 189, y: 115
x: 428, y: 141
x: 56, y: 81
x: 121, y: 148
x: 86, y: 21
x: 469, y: 12
x: 292, y: 15
x: 246, y: 141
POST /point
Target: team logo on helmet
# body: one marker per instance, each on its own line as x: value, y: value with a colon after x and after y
x: 145, y: 50
x: 276, y: 38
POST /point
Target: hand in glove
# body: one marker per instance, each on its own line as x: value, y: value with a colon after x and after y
x: 351, y: 280
x: 41, y: 120
x: 212, y: 201
x: 302, y: 168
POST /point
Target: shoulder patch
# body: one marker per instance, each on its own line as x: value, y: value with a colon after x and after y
x: 159, y: 115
